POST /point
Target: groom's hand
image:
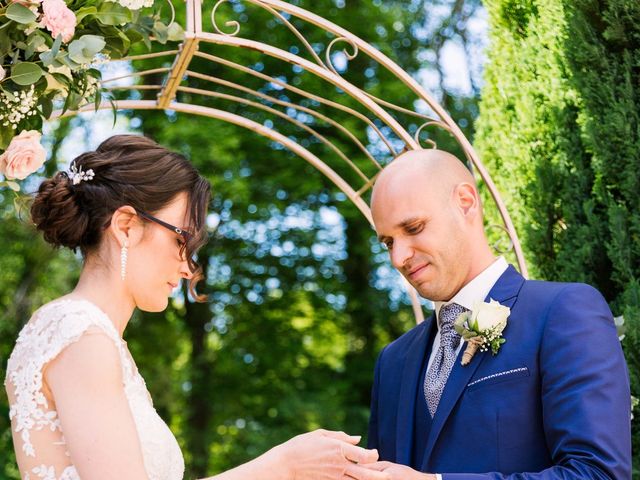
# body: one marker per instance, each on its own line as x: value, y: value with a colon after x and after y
x: 386, y: 471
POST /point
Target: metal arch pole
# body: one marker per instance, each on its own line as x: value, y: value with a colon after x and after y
x: 418, y: 90
x: 248, y: 124
x: 185, y: 54
x: 319, y: 71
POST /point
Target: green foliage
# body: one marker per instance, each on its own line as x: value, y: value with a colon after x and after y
x: 560, y: 130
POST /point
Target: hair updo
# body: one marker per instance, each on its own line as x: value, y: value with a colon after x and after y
x: 129, y: 170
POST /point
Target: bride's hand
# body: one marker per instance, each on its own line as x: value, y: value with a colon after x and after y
x: 323, y: 455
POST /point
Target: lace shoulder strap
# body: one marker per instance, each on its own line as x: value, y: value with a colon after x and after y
x: 51, y: 329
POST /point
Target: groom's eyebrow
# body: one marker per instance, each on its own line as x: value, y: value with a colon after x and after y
x: 408, y: 221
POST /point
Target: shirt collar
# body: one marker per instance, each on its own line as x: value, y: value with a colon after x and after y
x: 478, y: 288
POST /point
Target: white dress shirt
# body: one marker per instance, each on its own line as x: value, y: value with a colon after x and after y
x: 474, y: 291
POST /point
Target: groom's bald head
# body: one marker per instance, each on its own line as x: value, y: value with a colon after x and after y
x: 436, y: 168
x: 427, y: 210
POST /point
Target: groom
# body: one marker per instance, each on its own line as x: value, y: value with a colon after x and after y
x: 553, y: 403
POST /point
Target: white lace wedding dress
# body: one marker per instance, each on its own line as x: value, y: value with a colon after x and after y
x: 37, y: 432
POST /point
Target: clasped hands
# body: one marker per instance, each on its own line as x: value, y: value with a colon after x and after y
x: 328, y: 455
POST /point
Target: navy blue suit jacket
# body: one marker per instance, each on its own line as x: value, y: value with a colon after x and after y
x: 554, y: 403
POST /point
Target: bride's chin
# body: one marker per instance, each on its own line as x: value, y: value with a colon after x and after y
x: 154, y: 306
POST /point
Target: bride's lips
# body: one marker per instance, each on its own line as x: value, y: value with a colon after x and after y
x: 172, y: 285
x: 415, y: 272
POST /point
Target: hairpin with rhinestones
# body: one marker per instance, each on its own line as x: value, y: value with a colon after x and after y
x: 76, y: 175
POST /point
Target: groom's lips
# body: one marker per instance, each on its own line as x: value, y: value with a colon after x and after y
x: 416, y: 271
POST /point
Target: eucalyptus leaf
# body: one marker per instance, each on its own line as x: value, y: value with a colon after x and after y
x: 175, y: 32
x: 97, y: 99
x: 46, y: 104
x: 468, y: 335
x: 6, y: 134
x: 55, y: 48
x: 118, y: 43
x: 161, y: 32
x: 112, y: 13
x: 65, y: 60
x: 133, y: 35
x: 84, y: 12
x: 62, y: 79
x: 85, y: 48
x: 50, y: 57
x: 33, y: 44
x: 13, y: 185
x: 26, y: 73
x: 73, y: 100
x: 47, y: 58
x: 21, y: 14
x: 5, y: 43
x: 10, y: 95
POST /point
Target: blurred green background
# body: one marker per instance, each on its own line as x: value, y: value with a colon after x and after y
x: 302, y: 297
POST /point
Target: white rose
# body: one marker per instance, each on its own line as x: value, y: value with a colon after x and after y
x: 2, y: 74
x: 489, y: 315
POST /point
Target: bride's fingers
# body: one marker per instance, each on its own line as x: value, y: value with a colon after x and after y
x: 359, y: 454
x: 360, y: 473
x: 352, y: 439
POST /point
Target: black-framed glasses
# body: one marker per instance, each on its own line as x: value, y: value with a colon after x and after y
x: 183, y: 233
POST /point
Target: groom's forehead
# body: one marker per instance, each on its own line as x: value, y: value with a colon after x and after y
x: 399, y: 202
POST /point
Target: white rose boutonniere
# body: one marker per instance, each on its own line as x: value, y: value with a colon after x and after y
x: 482, y: 328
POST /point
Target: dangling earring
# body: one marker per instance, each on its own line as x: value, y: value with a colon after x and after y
x: 123, y: 260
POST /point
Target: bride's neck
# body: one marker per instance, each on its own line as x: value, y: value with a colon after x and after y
x: 105, y: 289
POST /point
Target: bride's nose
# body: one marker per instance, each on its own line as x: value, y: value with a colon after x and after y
x: 185, y: 271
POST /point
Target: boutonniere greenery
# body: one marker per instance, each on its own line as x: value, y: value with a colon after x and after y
x: 482, y: 328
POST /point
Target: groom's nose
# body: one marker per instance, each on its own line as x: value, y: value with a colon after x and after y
x: 401, y: 253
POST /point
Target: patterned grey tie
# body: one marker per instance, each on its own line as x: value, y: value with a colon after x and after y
x: 437, y: 375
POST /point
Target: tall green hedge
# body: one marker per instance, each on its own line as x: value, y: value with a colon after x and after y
x: 559, y: 129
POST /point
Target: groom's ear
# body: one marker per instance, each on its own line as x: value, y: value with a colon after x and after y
x: 467, y: 200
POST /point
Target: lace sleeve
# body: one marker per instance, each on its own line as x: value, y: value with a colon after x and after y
x: 52, y: 328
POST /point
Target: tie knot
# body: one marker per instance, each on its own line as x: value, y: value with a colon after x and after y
x: 447, y: 316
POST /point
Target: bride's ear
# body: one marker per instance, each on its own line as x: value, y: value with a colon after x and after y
x: 125, y: 225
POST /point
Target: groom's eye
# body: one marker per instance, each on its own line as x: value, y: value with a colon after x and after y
x: 414, y: 229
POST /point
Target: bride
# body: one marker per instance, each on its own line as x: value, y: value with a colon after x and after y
x: 78, y: 405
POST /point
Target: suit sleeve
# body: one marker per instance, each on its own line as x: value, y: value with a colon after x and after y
x: 372, y: 435
x: 585, y: 392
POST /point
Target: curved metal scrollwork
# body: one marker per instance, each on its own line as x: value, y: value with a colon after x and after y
x: 229, y: 23
x: 350, y: 56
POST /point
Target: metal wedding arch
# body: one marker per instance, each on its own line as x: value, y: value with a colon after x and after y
x: 377, y: 117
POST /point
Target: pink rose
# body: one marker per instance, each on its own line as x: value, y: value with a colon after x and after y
x: 58, y: 19
x: 24, y: 156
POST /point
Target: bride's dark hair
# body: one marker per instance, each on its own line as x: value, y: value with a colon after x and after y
x: 129, y: 170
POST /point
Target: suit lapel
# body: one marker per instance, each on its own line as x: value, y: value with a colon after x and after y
x: 506, y: 292
x: 407, y: 398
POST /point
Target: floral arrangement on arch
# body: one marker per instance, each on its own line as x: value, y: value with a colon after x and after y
x: 49, y: 51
